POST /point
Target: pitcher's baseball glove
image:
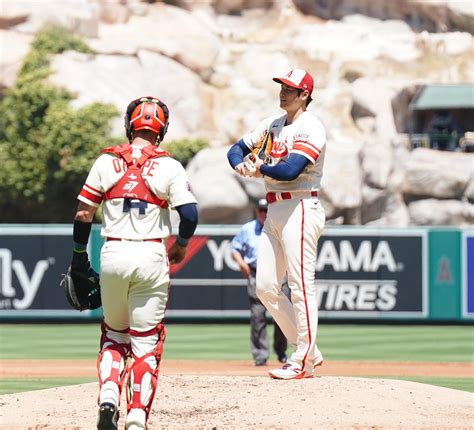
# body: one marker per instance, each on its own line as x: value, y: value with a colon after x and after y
x: 82, y: 289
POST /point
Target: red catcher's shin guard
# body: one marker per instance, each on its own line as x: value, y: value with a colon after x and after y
x: 112, y: 360
x: 143, y: 378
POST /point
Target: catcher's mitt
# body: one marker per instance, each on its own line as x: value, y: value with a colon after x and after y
x: 82, y: 289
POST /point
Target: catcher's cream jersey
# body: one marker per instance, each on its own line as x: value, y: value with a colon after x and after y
x: 305, y: 136
x: 136, y: 219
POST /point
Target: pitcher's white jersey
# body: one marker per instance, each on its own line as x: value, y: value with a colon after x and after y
x: 305, y: 136
x: 135, y: 219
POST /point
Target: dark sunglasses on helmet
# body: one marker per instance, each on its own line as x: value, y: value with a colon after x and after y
x: 146, y: 99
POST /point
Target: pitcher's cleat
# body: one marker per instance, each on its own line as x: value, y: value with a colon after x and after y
x: 108, y: 417
x: 288, y: 371
x: 318, y: 362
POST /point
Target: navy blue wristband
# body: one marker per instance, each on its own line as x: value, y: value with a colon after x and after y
x: 237, y: 152
x: 181, y: 241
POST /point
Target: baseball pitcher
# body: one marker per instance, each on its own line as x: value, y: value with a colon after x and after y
x: 290, y: 156
x: 138, y: 184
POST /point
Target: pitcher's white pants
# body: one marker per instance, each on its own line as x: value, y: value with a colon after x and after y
x: 289, y: 244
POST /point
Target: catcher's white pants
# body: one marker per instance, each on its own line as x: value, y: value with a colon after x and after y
x: 134, y: 278
x: 289, y: 244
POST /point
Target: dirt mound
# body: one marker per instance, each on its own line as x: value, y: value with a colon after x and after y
x: 244, y: 402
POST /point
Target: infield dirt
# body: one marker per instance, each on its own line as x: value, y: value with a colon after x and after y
x: 237, y: 396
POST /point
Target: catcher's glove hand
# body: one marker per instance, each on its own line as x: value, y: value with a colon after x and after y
x: 82, y: 289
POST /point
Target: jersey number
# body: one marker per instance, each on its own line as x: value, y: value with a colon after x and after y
x: 135, y: 204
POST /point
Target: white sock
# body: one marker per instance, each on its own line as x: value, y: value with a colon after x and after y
x: 136, y: 419
x: 109, y: 393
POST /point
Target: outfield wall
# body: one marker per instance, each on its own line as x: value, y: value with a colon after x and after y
x: 362, y: 274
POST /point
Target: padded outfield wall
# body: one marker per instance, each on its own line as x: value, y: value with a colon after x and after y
x: 416, y: 274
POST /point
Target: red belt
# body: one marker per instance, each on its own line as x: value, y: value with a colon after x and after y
x: 273, y: 197
x: 131, y: 240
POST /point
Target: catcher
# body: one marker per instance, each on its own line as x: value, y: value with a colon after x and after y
x: 138, y: 184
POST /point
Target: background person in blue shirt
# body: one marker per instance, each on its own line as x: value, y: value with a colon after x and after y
x: 244, y: 251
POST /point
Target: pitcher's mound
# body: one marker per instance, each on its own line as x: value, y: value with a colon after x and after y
x: 245, y: 402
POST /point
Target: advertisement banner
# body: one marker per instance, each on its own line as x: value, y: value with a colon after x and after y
x: 31, y: 263
x: 468, y: 274
x: 358, y: 274
x: 372, y: 275
x: 208, y: 282
x: 369, y: 273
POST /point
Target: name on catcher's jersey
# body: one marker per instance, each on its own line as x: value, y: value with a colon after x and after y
x: 305, y: 136
x: 128, y: 218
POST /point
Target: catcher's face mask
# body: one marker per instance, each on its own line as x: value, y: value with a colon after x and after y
x: 147, y: 113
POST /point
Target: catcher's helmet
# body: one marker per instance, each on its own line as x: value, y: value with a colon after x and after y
x: 147, y: 113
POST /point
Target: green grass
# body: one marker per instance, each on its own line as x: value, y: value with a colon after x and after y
x: 398, y: 343
x: 18, y: 385
x: 231, y: 342
x: 464, y: 384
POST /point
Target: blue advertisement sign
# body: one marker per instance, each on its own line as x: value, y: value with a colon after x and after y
x: 468, y: 274
x: 32, y: 261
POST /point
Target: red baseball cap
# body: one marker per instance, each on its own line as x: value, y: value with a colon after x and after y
x: 297, y: 78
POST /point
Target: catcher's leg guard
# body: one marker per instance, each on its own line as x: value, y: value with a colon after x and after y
x: 143, y: 379
x: 112, y: 364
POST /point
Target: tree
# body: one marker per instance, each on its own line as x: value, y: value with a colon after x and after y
x: 46, y: 147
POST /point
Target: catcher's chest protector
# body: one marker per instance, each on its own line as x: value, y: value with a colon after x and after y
x: 132, y: 185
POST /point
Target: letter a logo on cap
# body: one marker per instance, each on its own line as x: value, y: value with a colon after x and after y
x: 297, y: 78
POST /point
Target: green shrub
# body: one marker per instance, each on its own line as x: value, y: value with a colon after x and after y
x: 184, y: 149
x: 46, y: 147
x: 50, y: 40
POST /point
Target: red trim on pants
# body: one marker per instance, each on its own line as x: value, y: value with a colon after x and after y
x: 308, y: 322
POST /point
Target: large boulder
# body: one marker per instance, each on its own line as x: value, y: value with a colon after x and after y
x: 469, y: 192
x: 440, y: 174
x: 341, y: 187
x: 377, y: 162
x: 441, y: 212
x: 383, y: 208
x: 431, y: 15
x: 374, y: 96
x: 237, y: 6
x: 330, y: 41
x: 401, y: 107
x: 452, y: 44
x: 254, y: 187
x: 221, y: 198
x: 13, y: 46
x: 248, y: 93
x: 113, y: 11
x: 130, y: 77
x: 227, y: 7
x: 373, y: 203
x: 460, y: 15
x: 80, y: 16
x: 167, y: 30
